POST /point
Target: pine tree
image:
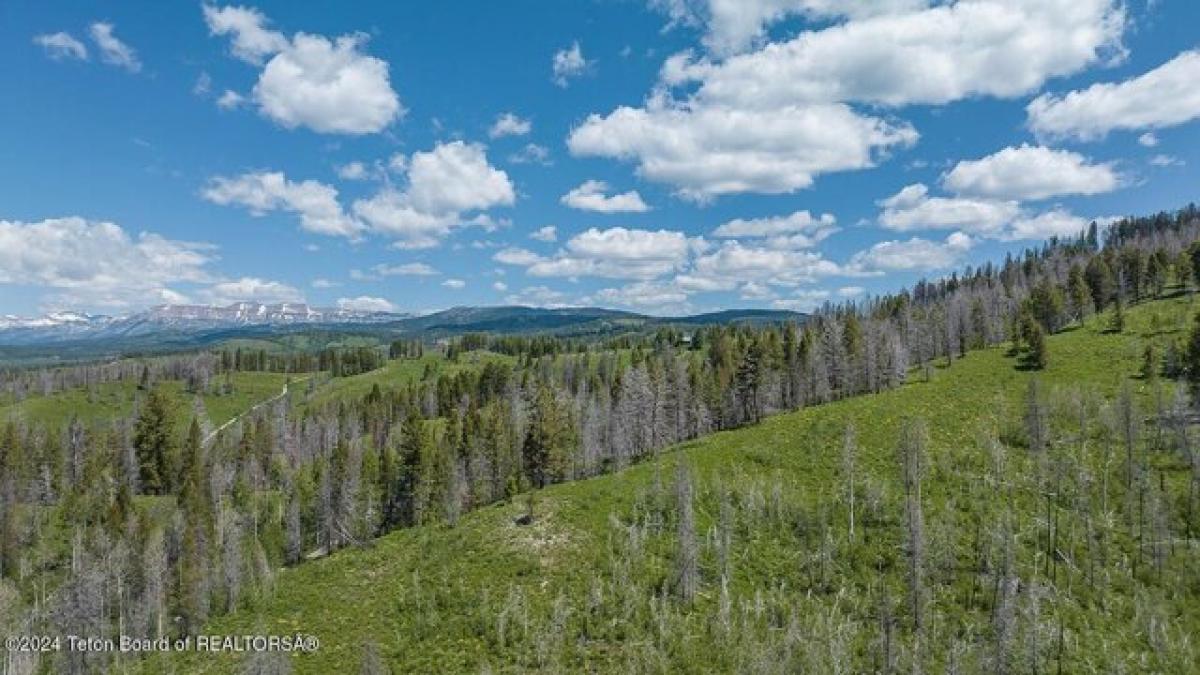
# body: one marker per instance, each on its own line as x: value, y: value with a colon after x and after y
x: 1191, y: 357
x: 1101, y: 282
x: 153, y: 443
x: 1116, y: 322
x: 1037, y: 354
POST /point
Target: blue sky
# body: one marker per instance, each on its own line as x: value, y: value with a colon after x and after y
x: 666, y: 156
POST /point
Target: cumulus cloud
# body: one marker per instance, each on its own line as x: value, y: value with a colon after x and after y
x: 457, y: 177
x: 615, y: 253
x: 913, y: 209
x: 366, y: 303
x: 1164, y: 97
x: 61, y: 45
x: 265, y: 191
x: 936, y: 55
x: 913, y: 255
x: 500, y: 286
x: 568, y: 64
x: 1053, y: 223
x: 1148, y: 140
x: 454, y: 284
x: 112, y: 50
x: 252, y: 41
x: 1031, y: 173
x: 734, y: 261
x: 707, y: 151
x: 798, y: 230
x: 643, y: 295
x: 805, y: 300
x: 353, y: 171
x: 250, y: 289
x: 509, y: 124
x: 445, y: 183
x: 98, y: 263
x: 532, y: 153
x: 590, y: 196
x: 230, y: 99
x: 537, y: 296
x: 326, y: 85
x: 771, y: 120
x: 733, y: 25
x: 547, y: 233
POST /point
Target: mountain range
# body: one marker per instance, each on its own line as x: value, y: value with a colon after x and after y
x: 68, y: 334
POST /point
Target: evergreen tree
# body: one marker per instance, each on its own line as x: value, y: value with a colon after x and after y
x: 1100, y: 280
x: 1116, y: 322
x: 1191, y: 355
x: 153, y: 444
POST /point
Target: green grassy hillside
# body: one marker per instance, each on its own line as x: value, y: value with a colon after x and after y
x: 590, y: 584
x: 116, y: 399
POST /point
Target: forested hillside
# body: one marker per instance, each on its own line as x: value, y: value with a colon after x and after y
x: 992, y: 470
x: 993, y: 518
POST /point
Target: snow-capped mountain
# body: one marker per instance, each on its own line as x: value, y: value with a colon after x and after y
x: 64, y: 326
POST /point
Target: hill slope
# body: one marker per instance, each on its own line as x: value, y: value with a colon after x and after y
x: 594, y: 582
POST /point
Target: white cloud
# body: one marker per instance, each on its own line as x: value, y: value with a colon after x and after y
x: 353, y: 171
x: 1165, y: 160
x: 1163, y: 97
x: 265, y: 191
x: 517, y: 256
x: 1148, y: 140
x: 455, y: 284
x: 329, y: 86
x: 934, y: 55
x: 98, y: 263
x: 771, y: 120
x: 455, y: 177
x: 568, y: 64
x: 1054, y: 223
x: 643, y: 294
x: 798, y: 230
x: 366, y: 303
x: 321, y: 282
x: 537, y: 296
x: 112, y: 50
x: 250, y: 289
x: 1031, y: 173
x: 805, y: 300
x: 735, y: 261
x: 851, y: 291
x: 61, y: 45
x: 590, y: 196
x: 615, y: 253
x: 252, y: 40
x: 500, y: 286
x: 532, y: 153
x: 547, y: 233
x: 443, y: 184
x: 736, y: 24
x: 708, y: 151
x: 913, y: 255
x: 913, y: 209
x: 754, y: 290
x: 230, y: 99
x: 407, y: 269
x: 509, y: 124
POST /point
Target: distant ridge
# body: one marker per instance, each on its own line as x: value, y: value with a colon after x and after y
x: 183, y: 326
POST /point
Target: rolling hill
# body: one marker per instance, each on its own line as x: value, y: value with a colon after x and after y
x: 1018, y: 576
